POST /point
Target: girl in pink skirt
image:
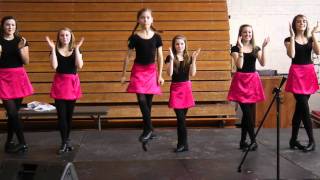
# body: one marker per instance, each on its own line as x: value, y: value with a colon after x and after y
x: 302, y: 80
x: 246, y: 87
x: 179, y: 66
x: 146, y: 78
x: 65, y: 58
x: 14, y: 81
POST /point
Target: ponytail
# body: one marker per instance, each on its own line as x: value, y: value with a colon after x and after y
x: 153, y: 28
x: 135, y: 28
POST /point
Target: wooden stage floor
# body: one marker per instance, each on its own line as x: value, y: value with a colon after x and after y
x: 214, y: 154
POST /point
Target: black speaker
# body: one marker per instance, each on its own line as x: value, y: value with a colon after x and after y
x: 31, y: 170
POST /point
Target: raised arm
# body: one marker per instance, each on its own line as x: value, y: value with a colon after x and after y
x: 238, y: 56
x: 193, y: 67
x: 290, y: 45
x: 262, y: 53
x: 24, y: 50
x: 170, y: 64
x: 79, y: 60
x: 53, y: 55
x: 315, y: 44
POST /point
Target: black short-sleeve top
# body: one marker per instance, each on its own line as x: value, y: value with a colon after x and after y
x: 146, y: 49
x: 182, y: 74
x: 66, y: 64
x: 249, y: 59
x: 302, y: 52
x: 10, y: 55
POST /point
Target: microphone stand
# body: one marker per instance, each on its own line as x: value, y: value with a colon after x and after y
x: 276, y: 91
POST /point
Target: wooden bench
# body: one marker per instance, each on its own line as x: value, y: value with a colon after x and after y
x: 95, y: 112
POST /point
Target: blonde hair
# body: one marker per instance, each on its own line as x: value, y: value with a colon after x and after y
x: 252, y: 41
x: 72, y: 39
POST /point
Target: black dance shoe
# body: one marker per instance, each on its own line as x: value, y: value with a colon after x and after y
x: 9, y: 145
x: 145, y: 136
x: 254, y: 146
x: 63, y: 149
x: 243, y: 145
x: 296, y: 144
x: 153, y: 136
x: 69, y: 145
x: 19, y: 148
x: 311, y: 147
x: 181, y: 148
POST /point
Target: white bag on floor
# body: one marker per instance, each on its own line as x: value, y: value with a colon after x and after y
x: 40, y: 106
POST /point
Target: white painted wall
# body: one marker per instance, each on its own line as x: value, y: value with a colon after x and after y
x: 271, y: 18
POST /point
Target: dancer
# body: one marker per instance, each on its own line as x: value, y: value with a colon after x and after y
x: 179, y: 66
x: 145, y: 81
x: 246, y: 87
x: 302, y: 80
x: 65, y: 58
x: 14, y: 81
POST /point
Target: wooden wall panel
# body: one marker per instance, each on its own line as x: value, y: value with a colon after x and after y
x: 114, y: 76
x: 122, y: 45
x: 120, y: 55
x: 105, y: 87
x: 111, y: 6
x: 106, y: 26
x: 124, y: 26
x: 111, y: 98
x: 117, y: 66
x: 115, y: 17
x: 114, y: 1
x: 123, y: 35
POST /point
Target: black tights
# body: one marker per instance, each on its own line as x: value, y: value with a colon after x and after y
x: 247, y: 122
x: 302, y: 112
x: 65, y: 111
x: 145, y: 104
x: 14, y: 124
x: 181, y: 126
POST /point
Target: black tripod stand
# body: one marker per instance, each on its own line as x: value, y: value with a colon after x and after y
x: 276, y: 91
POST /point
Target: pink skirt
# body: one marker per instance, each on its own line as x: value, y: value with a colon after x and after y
x: 143, y: 80
x: 246, y: 88
x: 302, y: 79
x: 66, y: 87
x: 181, y: 95
x: 14, y: 83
